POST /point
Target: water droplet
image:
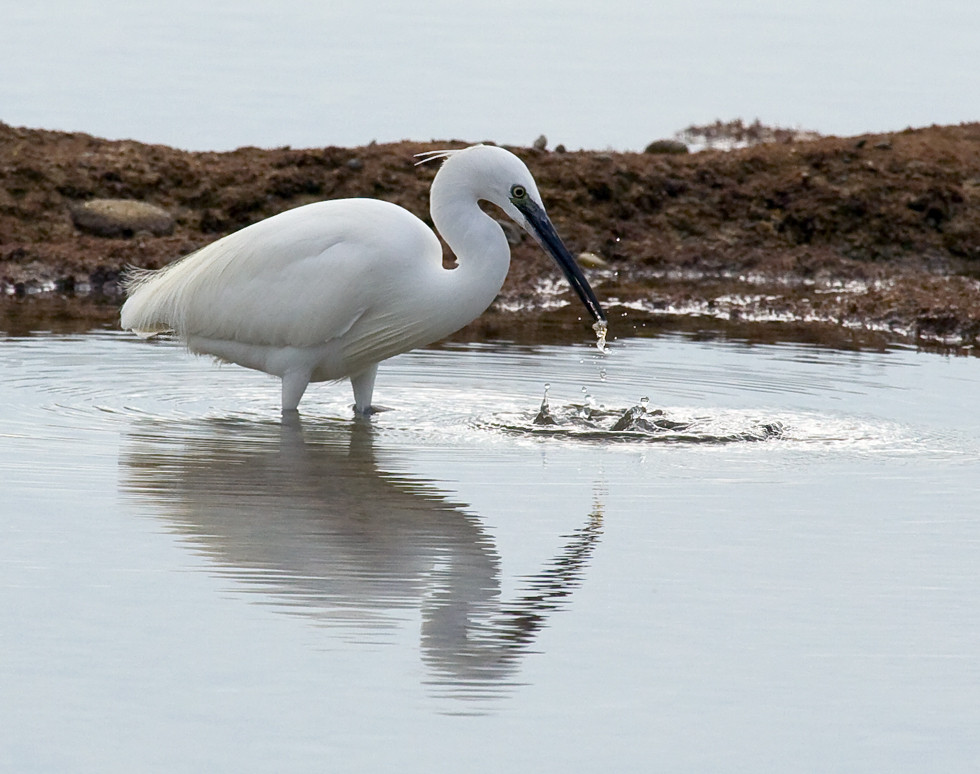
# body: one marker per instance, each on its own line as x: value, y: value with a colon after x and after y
x: 602, y: 374
x: 600, y: 327
x: 544, y: 416
x: 644, y: 401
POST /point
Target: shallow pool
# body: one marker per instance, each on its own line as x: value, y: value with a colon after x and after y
x: 774, y: 567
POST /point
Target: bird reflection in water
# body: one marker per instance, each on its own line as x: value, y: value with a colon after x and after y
x: 306, y: 517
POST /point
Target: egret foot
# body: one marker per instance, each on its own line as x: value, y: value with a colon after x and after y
x: 370, y: 411
x: 363, y: 386
x: 291, y: 419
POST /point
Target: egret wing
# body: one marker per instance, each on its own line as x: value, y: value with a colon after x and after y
x: 300, y: 278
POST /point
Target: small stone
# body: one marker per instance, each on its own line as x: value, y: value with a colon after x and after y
x: 541, y: 143
x: 121, y: 218
x: 560, y: 148
x: 591, y: 261
x: 666, y: 146
x: 355, y: 165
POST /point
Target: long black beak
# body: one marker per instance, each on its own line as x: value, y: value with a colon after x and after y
x: 544, y: 232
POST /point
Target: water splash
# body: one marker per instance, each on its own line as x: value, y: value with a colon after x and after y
x: 589, y: 420
x: 588, y: 405
x: 543, y: 416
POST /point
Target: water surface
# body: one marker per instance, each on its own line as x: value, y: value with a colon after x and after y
x: 188, y: 584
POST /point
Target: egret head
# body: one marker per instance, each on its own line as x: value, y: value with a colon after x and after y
x: 487, y: 172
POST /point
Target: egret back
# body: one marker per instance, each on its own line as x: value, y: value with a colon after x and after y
x: 298, y: 279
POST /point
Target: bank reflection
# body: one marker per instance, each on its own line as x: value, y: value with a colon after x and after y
x: 306, y: 517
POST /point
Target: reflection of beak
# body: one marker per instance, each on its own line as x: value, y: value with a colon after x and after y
x: 542, y: 230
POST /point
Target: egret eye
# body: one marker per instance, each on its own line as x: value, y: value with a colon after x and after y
x: 518, y: 192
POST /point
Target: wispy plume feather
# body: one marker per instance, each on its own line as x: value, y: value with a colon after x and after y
x: 426, y: 156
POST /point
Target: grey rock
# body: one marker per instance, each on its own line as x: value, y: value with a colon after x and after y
x: 541, y: 143
x: 666, y: 146
x: 121, y: 218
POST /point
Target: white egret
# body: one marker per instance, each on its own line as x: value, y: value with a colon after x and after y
x: 328, y: 290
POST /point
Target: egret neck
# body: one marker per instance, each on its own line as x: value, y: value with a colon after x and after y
x: 480, y: 247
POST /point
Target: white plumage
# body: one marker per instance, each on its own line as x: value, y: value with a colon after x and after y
x: 328, y: 290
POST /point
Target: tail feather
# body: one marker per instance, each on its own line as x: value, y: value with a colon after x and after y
x: 149, y: 309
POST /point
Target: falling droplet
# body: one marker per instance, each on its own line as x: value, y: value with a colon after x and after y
x: 644, y: 402
x: 600, y: 329
x: 602, y: 374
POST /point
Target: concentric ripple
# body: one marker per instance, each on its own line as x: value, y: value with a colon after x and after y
x: 57, y: 387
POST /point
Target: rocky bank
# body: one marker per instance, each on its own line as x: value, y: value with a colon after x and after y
x: 876, y: 235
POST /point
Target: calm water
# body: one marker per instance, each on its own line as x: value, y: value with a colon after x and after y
x: 614, y: 74
x: 188, y: 585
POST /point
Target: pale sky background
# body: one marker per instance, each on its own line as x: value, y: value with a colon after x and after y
x: 616, y: 74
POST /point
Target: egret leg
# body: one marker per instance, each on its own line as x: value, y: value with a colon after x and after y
x: 294, y: 384
x: 363, y: 384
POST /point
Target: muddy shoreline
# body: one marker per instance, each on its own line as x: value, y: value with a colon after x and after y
x: 870, y: 239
